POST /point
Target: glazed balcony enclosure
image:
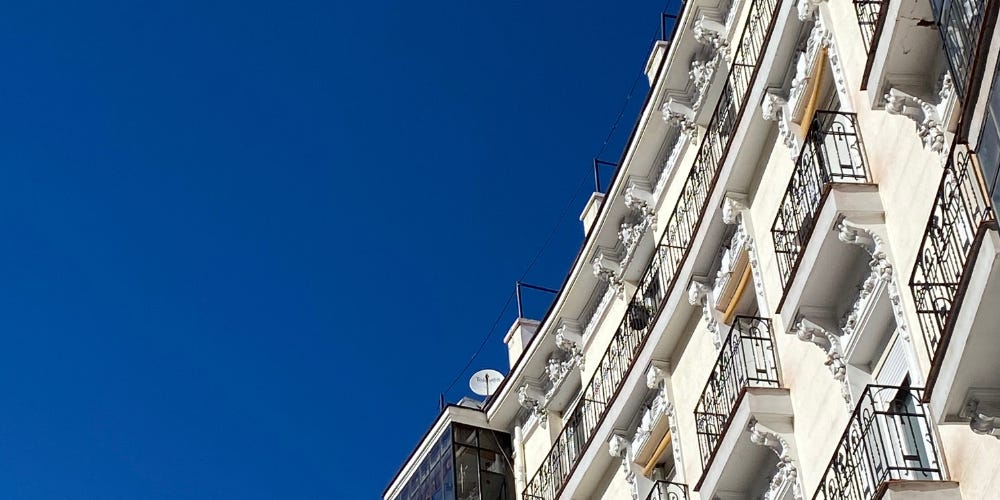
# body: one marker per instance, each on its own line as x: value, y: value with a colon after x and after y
x: 464, y: 463
x: 889, y: 438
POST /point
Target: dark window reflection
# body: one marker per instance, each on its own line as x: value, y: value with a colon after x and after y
x: 466, y: 463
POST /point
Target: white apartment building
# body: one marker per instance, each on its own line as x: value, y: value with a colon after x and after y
x: 791, y: 289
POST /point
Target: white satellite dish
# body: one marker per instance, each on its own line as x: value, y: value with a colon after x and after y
x: 485, y: 382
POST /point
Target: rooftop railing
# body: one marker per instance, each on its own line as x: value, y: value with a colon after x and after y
x: 746, y: 360
x: 665, y: 490
x: 582, y: 421
x: 887, y: 438
x: 832, y: 153
x: 959, y: 218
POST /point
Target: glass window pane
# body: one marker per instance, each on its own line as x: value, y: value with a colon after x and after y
x: 466, y: 473
x: 465, y: 435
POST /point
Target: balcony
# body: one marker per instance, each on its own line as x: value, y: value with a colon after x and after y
x: 955, y: 230
x: 956, y: 286
x: 747, y: 360
x: 960, y: 24
x: 664, y: 490
x: 888, y: 440
x: 832, y: 155
x: 871, y: 17
x: 582, y: 422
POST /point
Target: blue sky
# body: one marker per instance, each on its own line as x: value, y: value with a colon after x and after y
x: 247, y: 244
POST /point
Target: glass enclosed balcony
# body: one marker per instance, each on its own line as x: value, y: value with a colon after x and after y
x: 466, y: 463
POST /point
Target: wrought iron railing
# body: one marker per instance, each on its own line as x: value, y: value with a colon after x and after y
x: 832, y: 153
x: 960, y: 23
x: 747, y: 360
x: 871, y: 17
x: 665, y: 490
x: 959, y: 218
x: 889, y: 437
x: 581, y: 424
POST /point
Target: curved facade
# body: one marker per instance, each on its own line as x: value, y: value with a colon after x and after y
x: 789, y: 289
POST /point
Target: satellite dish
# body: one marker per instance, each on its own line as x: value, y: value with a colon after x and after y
x: 485, y: 382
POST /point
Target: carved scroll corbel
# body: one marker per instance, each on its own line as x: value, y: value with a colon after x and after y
x: 929, y: 117
x: 808, y: 331
x: 698, y: 296
x: 681, y: 116
x: 787, y: 473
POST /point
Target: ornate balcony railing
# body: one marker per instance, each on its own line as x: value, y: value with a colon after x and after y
x: 665, y: 490
x: 960, y: 23
x: 888, y: 438
x: 580, y: 426
x: 747, y: 360
x: 960, y: 217
x: 832, y: 153
x: 871, y: 17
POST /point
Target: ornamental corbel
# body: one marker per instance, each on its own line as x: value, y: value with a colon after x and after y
x: 775, y: 108
x: 808, y: 331
x: 569, y: 339
x: 619, y: 447
x: 532, y: 399
x: 702, y: 72
x: 639, y: 198
x: 733, y: 206
x: 787, y: 473
x: 608, y: 268
x: 557, y: 368
x: 681, y: 116
x: 698, y: 296
x: 982, y: 408
x: 806, y: 8
x: 708, y: 31
x: 929, y: 117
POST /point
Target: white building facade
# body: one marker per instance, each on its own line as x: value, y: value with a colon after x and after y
x: 791, y: 288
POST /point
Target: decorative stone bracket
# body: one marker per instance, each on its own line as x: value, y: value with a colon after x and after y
x: 569, y: 339
x: 639, y: 198
x: 620, y: 447
x: 808, y: 331
x: 982, y: 408
x: 787, y: 474
x: 702, y: 73
x: 806, y: 8
x: 681, y: 116
x: 708, y: 31
x: 929, y: 117
x: 533, y: 399
x: 881, y: 271
x: 698, y: 296
x: 775, y: 108
x: 607, y: 268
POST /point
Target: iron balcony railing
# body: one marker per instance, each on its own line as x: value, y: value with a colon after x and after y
x: 665, y: 490
x: 871, y: 17
x: 747, y: 360
x: 580, y: 425
x: 960, y: 23
x: 888, y: 437
x: 831, y: 153
x: 958, y: 221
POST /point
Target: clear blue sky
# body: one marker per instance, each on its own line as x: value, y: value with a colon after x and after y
x: 247, y: 244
